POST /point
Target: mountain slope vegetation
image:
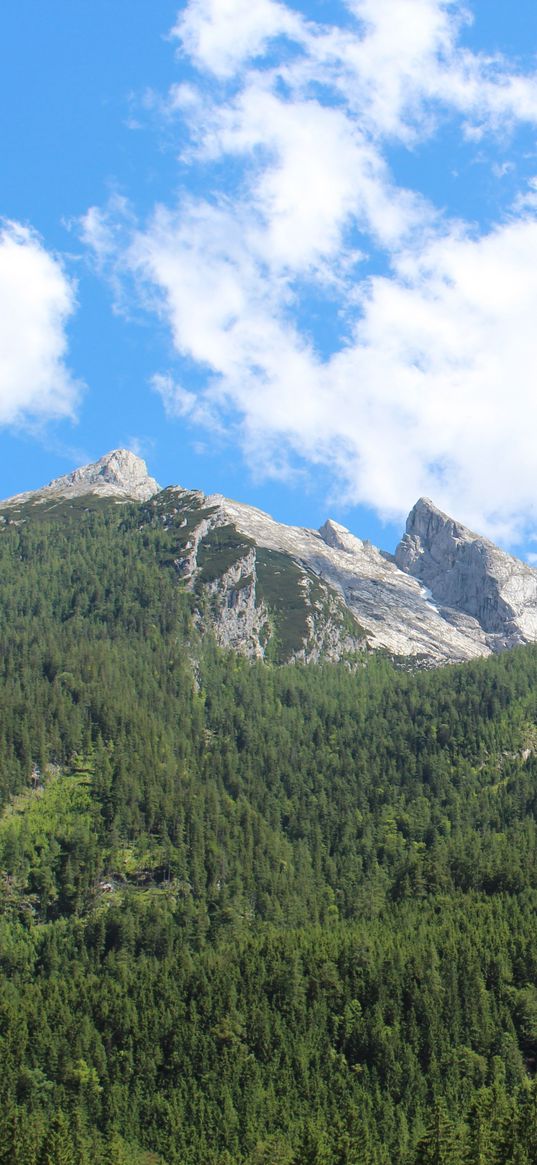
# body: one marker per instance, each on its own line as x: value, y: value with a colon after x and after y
x: 250, y: 913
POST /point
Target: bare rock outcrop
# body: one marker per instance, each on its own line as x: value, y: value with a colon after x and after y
x: 119, y: 474
x: 470, y: 574
x: 287, y: 592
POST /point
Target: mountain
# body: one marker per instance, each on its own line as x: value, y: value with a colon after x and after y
x: 288, y: 593
x: 468, y: 573
x: 120, y: 475
x: 250, y: 915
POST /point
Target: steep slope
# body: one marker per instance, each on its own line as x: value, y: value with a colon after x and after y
x: 393, y: 608
x: 251, y: 915
x: 252, y: 583
x: 468, y: 573
x: 287, y: 593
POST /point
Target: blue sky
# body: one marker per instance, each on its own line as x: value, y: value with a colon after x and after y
x: 285, y: 251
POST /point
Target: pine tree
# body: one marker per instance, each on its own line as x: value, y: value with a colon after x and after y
x: 439, y: 1145
x: 58, y: 1148
x: 480, y: 1141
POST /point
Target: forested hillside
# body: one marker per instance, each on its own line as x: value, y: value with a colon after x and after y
x: 251, y: 914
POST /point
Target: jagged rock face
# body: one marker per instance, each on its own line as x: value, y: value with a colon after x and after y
x: 339, y: 538
x: 284, y: 592
x: 322, y: 594
x: 471, y: 574
x: 238, y: 620
x: 252, y: 593
x: 119, y: 474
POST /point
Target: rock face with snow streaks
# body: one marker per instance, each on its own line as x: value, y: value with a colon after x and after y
x: 469, y: 573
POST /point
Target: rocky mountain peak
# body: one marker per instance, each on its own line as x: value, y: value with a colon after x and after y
x: 119, y: 474
x: 339, y: 537
x: 118, y: 471
x: 448, y: 594
x: 427, y: 522
x: 431, y: 537
x: 469, y: 574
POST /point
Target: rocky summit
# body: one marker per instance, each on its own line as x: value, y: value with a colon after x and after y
x: 119, y: 474
x: 288, y: 593
x: 471, y: 575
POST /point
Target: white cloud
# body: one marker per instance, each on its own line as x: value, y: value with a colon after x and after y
x: 432, y: 390
x: 442, y: 369
x: 409, y: 63
x: 401, y: 61
x: 220, y: 34
x: 98, y: 232
x: 180, y: 402
x: 434, y: 394
x: 36, y: 301
x: 313, y: 173
x: 386, y: 71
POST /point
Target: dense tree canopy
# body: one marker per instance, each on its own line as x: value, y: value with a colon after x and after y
x: 252, y: 914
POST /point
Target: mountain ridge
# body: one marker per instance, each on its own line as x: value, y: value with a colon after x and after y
x: 445, y: 596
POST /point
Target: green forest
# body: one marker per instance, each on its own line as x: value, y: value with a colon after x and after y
x: 251, y: 914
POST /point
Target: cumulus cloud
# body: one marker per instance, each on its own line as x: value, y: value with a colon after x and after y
x: 427, y: 385
x: 36, y: 301
x: 313, y: 172
x: 400, y: 60
x: 408, y: 64
x: 220, y: 34
x: 434, y: 392
x: 445, y: 353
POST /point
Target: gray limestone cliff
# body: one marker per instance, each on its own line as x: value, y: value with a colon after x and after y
x: 284, y: 592
x: 328, y: 594
x: 251, y: 587
x: 470, y: 574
